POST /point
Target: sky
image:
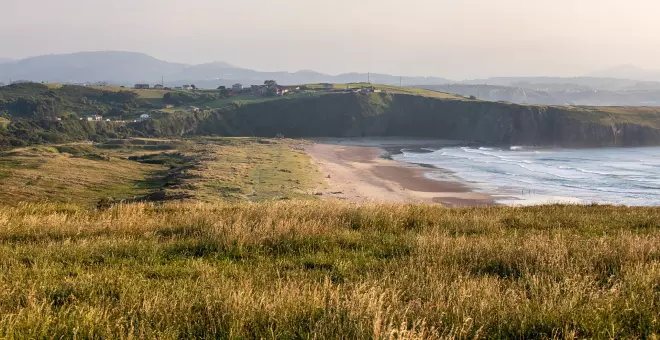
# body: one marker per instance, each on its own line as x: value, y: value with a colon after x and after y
x: 454, y: 39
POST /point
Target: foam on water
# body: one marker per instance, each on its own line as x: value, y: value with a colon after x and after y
x: 629, y: 176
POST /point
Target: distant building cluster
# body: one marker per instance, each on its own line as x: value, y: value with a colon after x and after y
x: 155, y: 87
x: 348, y: 89
x: 277, y: 90
x: 263, y: 90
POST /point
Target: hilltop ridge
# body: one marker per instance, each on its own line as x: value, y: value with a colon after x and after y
x: 318, y: 112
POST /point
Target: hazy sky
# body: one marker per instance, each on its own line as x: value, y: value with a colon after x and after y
x: 456, y: 38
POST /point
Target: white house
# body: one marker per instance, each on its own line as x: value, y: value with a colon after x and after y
x: 144, y: 117
x: 237, y: 87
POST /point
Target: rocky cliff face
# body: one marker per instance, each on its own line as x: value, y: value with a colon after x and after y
x: 372, y: 115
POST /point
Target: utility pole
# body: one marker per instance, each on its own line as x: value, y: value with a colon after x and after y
x: 162, y: 80
x: 369, y: 78
x: 400, y: 81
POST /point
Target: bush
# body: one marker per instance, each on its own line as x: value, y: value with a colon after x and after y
x: 53, y: 137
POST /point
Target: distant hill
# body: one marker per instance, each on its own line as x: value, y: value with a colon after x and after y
x: 128, y: 68
x: 5, y: 60
x: 124, y: 67
x: 628, y: 72
x: 562, y: 95
x: 566, y: 83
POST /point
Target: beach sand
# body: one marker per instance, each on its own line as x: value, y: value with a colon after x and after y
x: 357, y: 173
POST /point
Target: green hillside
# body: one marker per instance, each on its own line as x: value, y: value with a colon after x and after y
x: 314, y: 112
x: 39, y: 101
x: 408, y: 115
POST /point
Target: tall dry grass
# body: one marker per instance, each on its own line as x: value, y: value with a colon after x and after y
x: 328, y: 270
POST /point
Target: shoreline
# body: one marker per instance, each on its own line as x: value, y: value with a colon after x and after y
x: 357, y: 172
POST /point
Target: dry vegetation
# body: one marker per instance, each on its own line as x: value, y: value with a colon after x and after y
x: 237, y: 259
x: 254, y: 169
x: 328, y: 270
x: 69, y: 173
x: 205, y: 169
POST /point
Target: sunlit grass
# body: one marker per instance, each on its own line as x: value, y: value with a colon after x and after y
x: 69, y: 173
x: 329, y: 270
x: 217, y: 169
x: 256, y: 170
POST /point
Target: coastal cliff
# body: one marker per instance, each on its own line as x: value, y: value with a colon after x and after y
x: 381, y: 115
x: 34, y: 114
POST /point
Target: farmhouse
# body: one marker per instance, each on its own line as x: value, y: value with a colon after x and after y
x: 158, y: 87
x: 142, y: 86
x: 187, y: 87
x: 96, y: 118
x: 238, y: 87
x: 192, y: 109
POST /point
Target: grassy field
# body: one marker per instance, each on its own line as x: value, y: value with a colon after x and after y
x: 255, y: 170
x: 204, y: 169
x: 328, y: 270
x: 69, y: 173
x: 247, y: 251
x: 143, y: 93
x: 393, y: 89
x: 253, y: 99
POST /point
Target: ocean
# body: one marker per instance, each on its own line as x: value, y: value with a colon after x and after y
x: 528, y: 176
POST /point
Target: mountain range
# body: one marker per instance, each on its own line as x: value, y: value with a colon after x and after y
x: 127, y: 68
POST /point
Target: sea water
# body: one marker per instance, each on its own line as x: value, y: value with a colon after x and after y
x: 524, y: 176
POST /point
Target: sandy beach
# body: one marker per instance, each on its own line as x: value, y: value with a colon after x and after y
x: 357, y: 173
